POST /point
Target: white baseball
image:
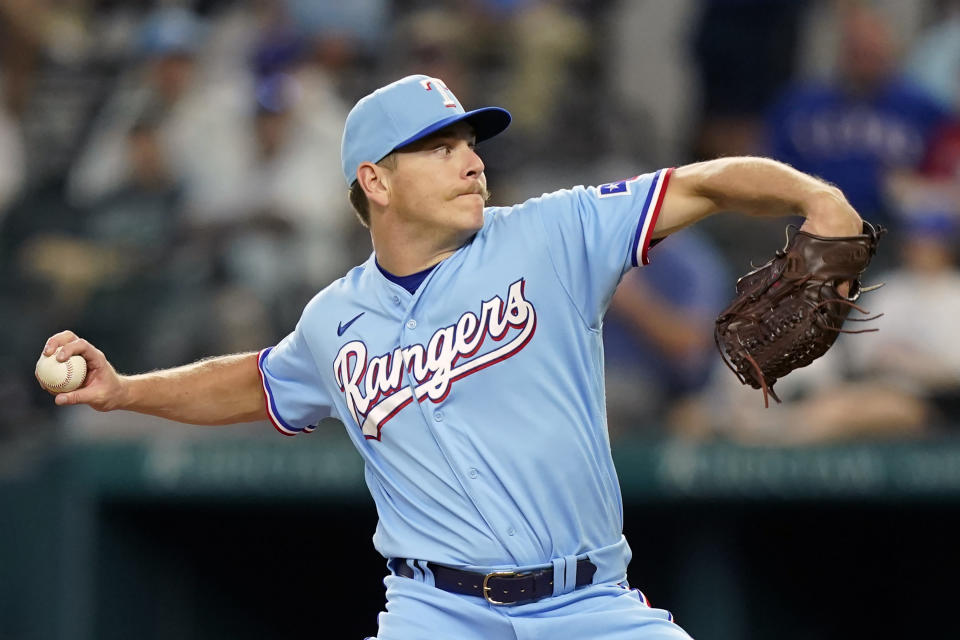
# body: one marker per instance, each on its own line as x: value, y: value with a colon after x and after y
x: 60, y: 377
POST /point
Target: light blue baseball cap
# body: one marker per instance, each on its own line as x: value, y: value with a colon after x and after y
x: 403, y: 112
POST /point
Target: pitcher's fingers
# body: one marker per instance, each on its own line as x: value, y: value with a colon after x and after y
x: 58, y: 340
x: 83, y: 395
x: 81, y: 347
x: 62, y: 399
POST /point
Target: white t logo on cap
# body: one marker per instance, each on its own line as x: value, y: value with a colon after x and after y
x: 436, y: 83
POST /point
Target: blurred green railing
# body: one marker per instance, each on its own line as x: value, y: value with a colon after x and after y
x: 61, y: 571
x: 317, y: 466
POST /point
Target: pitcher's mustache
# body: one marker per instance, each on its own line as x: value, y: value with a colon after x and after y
x: 478, y: 189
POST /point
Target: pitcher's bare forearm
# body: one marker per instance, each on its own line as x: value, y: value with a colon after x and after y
x: 221, y: 390
x: 757, y: 187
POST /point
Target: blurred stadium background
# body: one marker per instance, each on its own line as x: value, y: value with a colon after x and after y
x: 170, y: 189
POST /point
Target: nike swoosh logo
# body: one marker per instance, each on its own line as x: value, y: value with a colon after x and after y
x: 342, y: 328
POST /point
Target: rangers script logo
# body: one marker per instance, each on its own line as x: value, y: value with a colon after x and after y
x: 376, y: 388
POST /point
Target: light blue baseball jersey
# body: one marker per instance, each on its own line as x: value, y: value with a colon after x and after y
x: 477, y: 402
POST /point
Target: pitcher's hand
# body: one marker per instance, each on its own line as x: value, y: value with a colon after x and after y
x: 103, y: 388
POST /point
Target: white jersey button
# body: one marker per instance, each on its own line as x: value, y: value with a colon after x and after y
x: 438, y: 416
x: 396, y: 299
x: 411, y: 324
x: 474, y: 473
x: 511, y: 531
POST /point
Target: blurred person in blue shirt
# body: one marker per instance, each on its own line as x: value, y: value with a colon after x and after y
x: 657, y: 334
x: 864, y: 123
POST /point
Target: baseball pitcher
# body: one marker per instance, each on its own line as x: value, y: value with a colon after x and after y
x: 464, y: 359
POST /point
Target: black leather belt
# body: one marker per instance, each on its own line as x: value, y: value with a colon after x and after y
x: 499, y: 587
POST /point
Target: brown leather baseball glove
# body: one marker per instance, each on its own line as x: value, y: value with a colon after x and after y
x: 788, y: 312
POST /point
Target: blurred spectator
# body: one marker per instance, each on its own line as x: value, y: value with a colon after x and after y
x: 541, y: 58
x: 942, y: 163
x: 935, y: 64
x: 206, y: 200
x: 202, y: 118
x: 657, y: 333
x: 291, y: 235
x: 21, y: 42
x: 338, y: 45
x: 655, y: 85
x: 901, y: 380
x: 856, y: 128
x: 544, y: 57
x: 916, y: 347
x: 12, y: 173
x: 438, y: 42
x: 823, y: 30
x: 18, y: 48
x: 934, y: 59
x: 248, y: 120
x: 141, y: 218
x: 298, y: 70
x: 935, y: 186
x: 110, y: 274
x: 359, y: 21
x: 56, y: 59
x: 550, y: 43
x: 820, y: 405
x: 745, y: 52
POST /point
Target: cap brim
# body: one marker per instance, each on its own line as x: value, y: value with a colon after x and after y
x: 486, y: 122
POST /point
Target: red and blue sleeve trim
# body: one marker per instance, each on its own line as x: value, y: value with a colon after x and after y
x: 648, y: 217
x: 643, y: 597
x: 279, y: 423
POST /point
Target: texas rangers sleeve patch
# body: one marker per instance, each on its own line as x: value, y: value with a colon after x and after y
x: 621, y: 188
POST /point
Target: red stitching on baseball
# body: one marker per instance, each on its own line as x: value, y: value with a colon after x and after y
x: 65, y: 381
x: 69, y: 373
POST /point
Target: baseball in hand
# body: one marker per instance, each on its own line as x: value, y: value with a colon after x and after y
x: 60, y: 377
